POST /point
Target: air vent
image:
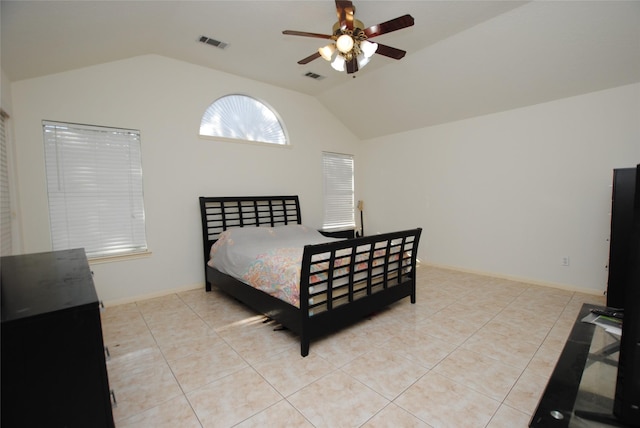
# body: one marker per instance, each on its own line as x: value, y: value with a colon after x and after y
x: 213, y: 42
x: 314, y: 75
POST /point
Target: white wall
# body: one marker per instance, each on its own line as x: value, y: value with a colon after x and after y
x: 165, y: 100
x: 507, y: 194
x: 510, y: 193
x: 6, y: 104
x: 5, y: 92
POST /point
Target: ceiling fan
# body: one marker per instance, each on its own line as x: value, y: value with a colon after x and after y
x: 350, y: 48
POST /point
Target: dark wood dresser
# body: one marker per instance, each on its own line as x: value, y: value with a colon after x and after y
x: 52, y: 356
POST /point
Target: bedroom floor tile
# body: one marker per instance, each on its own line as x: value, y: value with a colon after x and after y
x: 394, y: 416
x: 142, y: 389
x: 176, y: 412
x: 259, y: 339
x: 479, y: 372
x: 474, y: 351
x: 420, y: 348
x: 181, y: 348
x: 512, y: 351
x: 442, y: 402
x: 232, y: 399
x: 526, y: 392
x: 338, y: 400
x: 296, y: 374
x: 341, y: 347
x: 385, y: 371
x: 276, y: 415
x: 507, y: 417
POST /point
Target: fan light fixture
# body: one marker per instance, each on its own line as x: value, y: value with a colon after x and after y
x: 348, y: 45
x: 350, y: 48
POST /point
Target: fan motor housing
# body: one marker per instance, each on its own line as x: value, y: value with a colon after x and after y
x: 356, y: 24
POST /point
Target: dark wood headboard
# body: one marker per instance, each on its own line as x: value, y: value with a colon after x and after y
x: 220, y: 213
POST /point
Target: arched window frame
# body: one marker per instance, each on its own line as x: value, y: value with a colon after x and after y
x: 240, y: 114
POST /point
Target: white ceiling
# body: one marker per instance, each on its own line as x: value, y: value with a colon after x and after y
x: 464, y: 58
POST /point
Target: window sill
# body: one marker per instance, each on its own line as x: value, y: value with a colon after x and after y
x: 118, y: 258
x: 241, y: 141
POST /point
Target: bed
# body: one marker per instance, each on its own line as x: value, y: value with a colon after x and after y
x: 339, y: 281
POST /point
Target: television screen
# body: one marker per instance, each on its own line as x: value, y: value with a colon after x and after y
x: 626, y: 408
x: 622, y: 207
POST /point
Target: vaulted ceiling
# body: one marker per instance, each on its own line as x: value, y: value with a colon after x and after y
x: 464, y: 58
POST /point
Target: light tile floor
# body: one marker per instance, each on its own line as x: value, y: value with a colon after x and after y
x: 474, y: 351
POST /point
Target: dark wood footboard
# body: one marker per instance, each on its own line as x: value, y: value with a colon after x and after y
x: 342, y: 282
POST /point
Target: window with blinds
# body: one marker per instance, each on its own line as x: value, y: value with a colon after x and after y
x: 5, y: 196
x: 339, y: 196
x: 94, y: 183
x: 240, y: 117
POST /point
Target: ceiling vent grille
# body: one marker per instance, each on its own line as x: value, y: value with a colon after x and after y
x: 313, y: 75
x: 213, y: 42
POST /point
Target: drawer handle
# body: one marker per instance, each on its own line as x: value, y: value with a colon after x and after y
x: 113, y: 398
x: 107, y: 353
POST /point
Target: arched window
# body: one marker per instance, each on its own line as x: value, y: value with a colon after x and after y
x: 241, y: 117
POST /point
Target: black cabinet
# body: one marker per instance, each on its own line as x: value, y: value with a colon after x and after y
x: 53, y: 362
x: 622, y: 199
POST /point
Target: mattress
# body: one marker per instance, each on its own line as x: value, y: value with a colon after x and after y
x: 267, y: 258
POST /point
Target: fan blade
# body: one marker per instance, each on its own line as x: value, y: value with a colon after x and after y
x: 390, y: 52
x: 345, y: 10
x: 305, y: 34
x: 309, y: 58
x: 389, y: 26
x: 352, y: 66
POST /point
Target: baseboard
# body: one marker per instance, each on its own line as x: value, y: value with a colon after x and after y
x: 420, y: 264
x: 532, y: 281
x: 153, y: 295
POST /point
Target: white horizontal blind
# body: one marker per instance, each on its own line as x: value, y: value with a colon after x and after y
x: 94, y: 182
x: 338, y: 191
x: 5, y: 200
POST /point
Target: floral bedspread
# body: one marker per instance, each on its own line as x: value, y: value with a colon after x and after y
x: 267, y: 258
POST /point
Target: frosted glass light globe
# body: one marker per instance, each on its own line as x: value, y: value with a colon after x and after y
x: 338, y: 63
x: 368, y: 48
x: 344, y: 43
x: 327, y: 51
